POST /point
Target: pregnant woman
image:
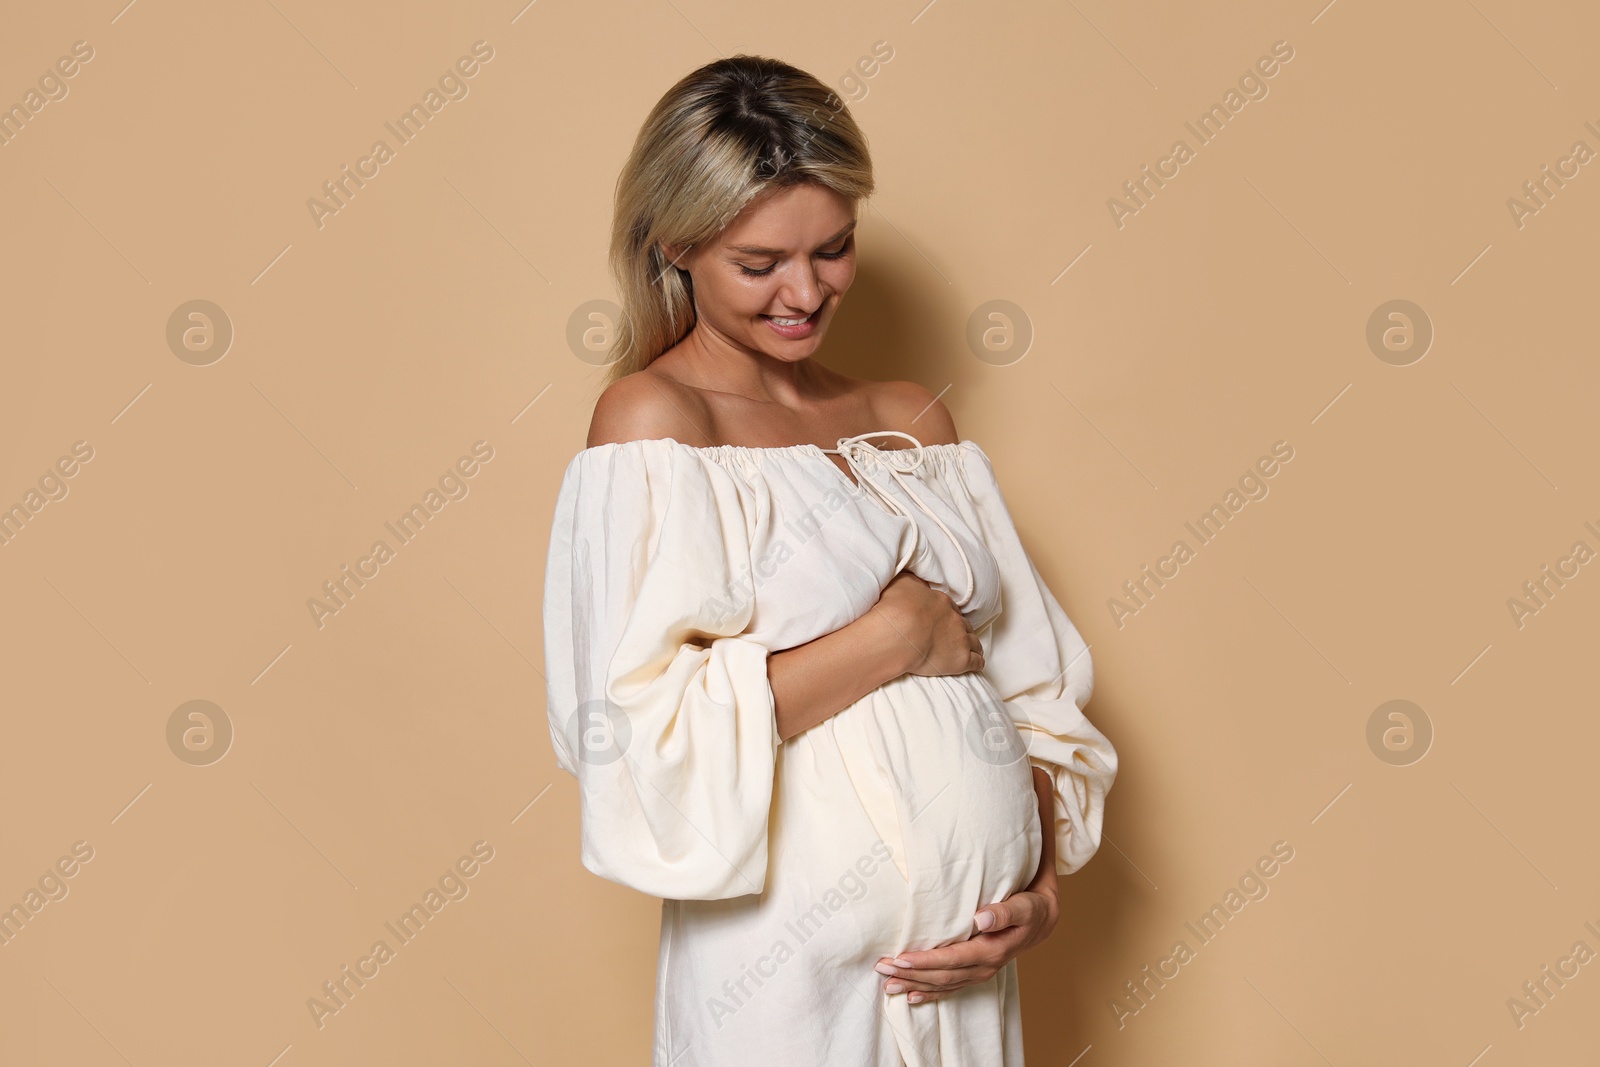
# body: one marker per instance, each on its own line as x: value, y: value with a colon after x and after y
x: 818, y: 699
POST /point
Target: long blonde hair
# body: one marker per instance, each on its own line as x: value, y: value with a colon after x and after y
x: 723, y: 135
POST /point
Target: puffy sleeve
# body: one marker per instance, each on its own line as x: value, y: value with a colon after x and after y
x: 656, y: 704
x: 1040, y: 666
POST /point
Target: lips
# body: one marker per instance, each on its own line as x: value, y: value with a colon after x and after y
x: 806, y: 327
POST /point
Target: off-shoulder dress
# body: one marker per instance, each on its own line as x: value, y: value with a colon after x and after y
x: 786, y: 869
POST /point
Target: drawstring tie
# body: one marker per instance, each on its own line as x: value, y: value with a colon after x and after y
x: 855, y: 451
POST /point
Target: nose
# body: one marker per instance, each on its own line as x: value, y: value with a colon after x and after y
x: 801, y: 289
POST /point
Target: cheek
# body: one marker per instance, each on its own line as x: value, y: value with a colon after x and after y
x: 840, y: 275
x: 748, y: 296
x: 734, y: 295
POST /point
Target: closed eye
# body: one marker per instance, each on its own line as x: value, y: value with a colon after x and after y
x: 844, y: 250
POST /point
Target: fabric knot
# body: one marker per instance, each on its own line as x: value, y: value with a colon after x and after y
x: 860, y: 454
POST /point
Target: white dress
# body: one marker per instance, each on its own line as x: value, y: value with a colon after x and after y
x: 788, y: 868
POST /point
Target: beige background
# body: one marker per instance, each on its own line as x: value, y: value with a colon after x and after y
x: 433, y: 311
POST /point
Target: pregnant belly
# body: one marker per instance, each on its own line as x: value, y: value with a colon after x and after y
x: 956, y: 797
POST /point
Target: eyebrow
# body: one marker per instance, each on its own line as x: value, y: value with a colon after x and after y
x: 757, y: 250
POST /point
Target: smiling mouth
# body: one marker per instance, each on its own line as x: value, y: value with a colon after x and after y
x: 790, y: 322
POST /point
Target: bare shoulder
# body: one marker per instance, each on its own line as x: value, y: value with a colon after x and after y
x: 645, y: 405
x: 914, y: 409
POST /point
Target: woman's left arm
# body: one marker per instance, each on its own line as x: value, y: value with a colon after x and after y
x: 1010, y: 927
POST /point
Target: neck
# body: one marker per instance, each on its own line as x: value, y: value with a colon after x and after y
x: 708, y: 361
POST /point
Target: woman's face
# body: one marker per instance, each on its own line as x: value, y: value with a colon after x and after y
x: 788, y: 255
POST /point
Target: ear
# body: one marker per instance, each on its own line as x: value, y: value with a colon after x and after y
x: 673, y: 252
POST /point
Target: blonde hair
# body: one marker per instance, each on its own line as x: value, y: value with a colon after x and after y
x: 722, y: 136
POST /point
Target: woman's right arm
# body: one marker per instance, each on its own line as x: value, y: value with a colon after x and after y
x: 913, y: 628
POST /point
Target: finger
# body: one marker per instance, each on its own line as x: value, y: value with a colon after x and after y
x: 1016, y: 910
x: 989, y: 959
x: 954, y: 956
x: 922, y: 996
x: 912, y: 963
x: 939, y: 981
x: 1014, y: 918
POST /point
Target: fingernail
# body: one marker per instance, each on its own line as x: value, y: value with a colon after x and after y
x: 898, y: 962
x: 894, y: 987
x: 883, y: 968
x: 914, y: 998
x: 985, y: 920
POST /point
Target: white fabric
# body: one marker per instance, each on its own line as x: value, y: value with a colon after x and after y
x: 787, y: 869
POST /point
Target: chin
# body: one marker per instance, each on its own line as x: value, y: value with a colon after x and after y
x: 793, y: 354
